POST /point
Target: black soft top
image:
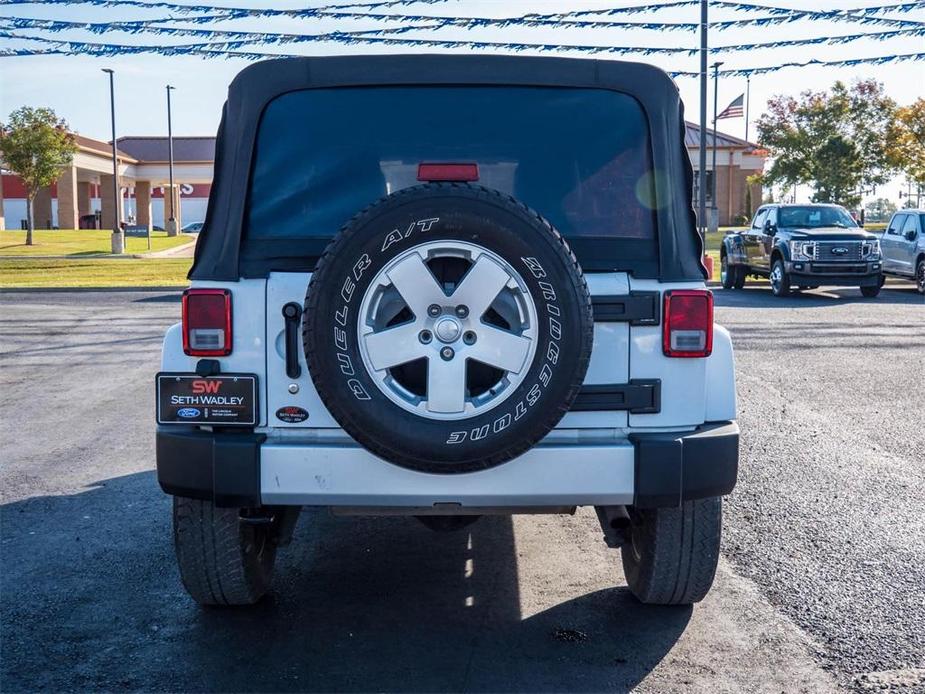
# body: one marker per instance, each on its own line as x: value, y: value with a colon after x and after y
x: 679, y: 244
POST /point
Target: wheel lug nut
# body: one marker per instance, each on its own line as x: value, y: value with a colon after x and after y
x: 425, y: 336
x: 433, y: 310
x: 462, y: 310
x: 469, y: 337
x: 447, y: 353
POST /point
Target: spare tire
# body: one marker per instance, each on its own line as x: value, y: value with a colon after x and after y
x: 447, y: 328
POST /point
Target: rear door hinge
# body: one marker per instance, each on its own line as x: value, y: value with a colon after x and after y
x: 639, y: 396
x: 635, y: 308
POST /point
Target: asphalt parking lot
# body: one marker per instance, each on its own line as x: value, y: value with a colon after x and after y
x: 821, y: 587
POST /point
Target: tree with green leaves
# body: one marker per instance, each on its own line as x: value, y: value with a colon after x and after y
x: 879, y: 210
x: 834, y: 141
x: 906, y: 141
x: 35, y: 144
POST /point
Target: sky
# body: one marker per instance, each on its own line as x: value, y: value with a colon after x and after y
x: 78, y: 91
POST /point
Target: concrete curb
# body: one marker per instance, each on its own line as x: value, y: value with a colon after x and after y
x: 753, y: 283
x: 50, y: 290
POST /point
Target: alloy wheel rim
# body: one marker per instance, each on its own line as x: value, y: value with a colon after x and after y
x: 482, y: 320
x: 922, y: 277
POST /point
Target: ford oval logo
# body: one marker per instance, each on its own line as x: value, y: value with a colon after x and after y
x: 188, y: 412
x: 839, y: 251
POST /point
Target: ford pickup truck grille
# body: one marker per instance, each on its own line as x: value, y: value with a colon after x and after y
x: 829, y: 251
x: 838, y: 269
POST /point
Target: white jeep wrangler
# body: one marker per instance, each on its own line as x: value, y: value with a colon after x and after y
x: 512, y: 317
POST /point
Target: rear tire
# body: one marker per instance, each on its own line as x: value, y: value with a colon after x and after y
x: 732, y: 276
x: 671, y: 556
x: 222, y: 560
x: 740, y: 278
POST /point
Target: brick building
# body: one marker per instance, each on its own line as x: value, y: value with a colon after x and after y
x: 736, y: 160
x: 82, y: 197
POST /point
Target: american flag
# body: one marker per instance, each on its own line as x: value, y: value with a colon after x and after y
x: 733, y: 110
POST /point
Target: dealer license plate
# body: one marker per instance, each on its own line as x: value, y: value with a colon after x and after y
x: 227, y: 400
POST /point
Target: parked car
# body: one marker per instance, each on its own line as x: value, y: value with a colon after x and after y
x: 192, y: 228
x: 903, y: 246
x: 512, y: 317
x: 802, y: 247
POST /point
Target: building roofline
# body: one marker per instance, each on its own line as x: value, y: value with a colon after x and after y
x: 164, y: 137
x: 744, y: 144
x: 94, y: 146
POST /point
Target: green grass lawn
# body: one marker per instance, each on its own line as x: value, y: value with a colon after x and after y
x: 82, y: 243
x: 61, y: 272
x: 715, y: 256
x: 714, y: 239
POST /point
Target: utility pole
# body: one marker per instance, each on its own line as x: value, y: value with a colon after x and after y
x: 118, y: 240
x: 171, y: 224
x: 702, y: 173
x: 714, y: 213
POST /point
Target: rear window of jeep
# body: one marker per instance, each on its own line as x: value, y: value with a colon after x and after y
x: 581, y: 157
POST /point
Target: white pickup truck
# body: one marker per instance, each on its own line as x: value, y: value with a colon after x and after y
x: 445, y: 287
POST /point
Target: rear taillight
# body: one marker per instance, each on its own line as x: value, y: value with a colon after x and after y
x: 207, y: 322
x: 688, y: 323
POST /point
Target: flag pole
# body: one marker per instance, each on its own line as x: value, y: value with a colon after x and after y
x: 702, y: 173
x: 748, y: 102
x: 713, y: 209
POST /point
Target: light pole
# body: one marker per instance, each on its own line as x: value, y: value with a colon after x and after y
x: 118, y: 241
x: 171, y: 224
x: 714, y: 215
x: 702, y: 178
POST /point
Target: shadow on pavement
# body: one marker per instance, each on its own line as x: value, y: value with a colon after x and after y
x: 91, y: 600
x: 761, y: 297
x: 160, y: 298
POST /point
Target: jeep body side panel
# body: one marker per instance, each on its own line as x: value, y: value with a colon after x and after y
x: 592, y: 458
x: 683, y: 381
x: 691, y: 391
x: 283, y: 288
x: 249, y: 345
x: 610, y: 356
x: 720, y: 388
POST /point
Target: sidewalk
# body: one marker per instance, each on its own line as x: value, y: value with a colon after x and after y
x: 184, y: 251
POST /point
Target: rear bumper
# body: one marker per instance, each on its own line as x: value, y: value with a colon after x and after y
x: 646, y: 470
